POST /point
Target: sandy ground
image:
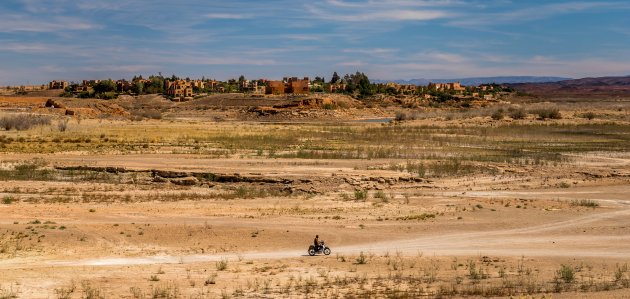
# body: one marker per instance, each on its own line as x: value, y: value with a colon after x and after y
x: 477, y: 236
x: 104, y: 246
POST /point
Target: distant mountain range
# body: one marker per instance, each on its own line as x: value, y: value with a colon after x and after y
x: 479, y: 80
x: 610, y: 86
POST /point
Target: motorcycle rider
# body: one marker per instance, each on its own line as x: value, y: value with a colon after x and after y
x: 316, y: 241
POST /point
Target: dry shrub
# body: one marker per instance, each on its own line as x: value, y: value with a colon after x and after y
x: 498, y: 115
x: 547, y: 113
x: 517, y: 113
x: 147, y: 114
x: 22, y: 122
x: 404, y: 115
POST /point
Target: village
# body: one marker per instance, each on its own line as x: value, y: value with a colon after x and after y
x: 180, y: 90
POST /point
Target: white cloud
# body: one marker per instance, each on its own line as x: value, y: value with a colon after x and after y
x: 26, y: 23
x: 24, y: 48
x: 125, y: 68
x: 355, y: 63
x: 381, y: 11
x: 478, y: 66
x: 399, y: 3
x: 535, y: 12
x: 374, y: 51
x: 381, y: 16
x: 443, y: 57
x: 227, y: 16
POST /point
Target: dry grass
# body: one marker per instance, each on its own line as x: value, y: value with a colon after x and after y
x: 134, y: 214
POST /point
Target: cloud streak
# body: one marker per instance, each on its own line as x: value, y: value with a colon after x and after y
x: 371, y: 12
x: 528, y: 14
x: 387, y: 39
x: 26, y: 23
x: 227, y: 16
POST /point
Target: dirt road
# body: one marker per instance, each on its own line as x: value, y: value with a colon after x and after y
x: 566, y: 238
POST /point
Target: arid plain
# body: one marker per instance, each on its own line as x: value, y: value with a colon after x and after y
x: 209, y: 201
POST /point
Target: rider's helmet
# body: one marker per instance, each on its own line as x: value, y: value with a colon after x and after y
x: 316, y: 236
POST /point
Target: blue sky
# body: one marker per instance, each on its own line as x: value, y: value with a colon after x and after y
x: 41, y: 40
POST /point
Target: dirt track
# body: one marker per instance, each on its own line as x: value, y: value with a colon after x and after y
x: 537, y: 240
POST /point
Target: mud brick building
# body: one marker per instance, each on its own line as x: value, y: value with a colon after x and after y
x: 179, y: 88
x: 335, y: 87
x: 291, y: 85
x: 455, y: 86
x: 57, y: 84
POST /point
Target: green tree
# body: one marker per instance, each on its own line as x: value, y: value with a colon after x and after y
x: 156, y: 85
x: 363, y: 82
x: 335, y: 78
x: 138, y: 87
x: 319, y: 80
x: 105, y: 86
x: 359, y: 82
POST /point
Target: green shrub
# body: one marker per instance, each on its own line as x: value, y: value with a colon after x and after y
x: 381, y: 195
x: 566, y: 273
x: 360, y: 195
x: 7, y: 200
x: 362, y: 259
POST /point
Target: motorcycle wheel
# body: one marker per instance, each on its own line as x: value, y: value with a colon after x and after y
x: 311, y: 251
x: 327, y: 251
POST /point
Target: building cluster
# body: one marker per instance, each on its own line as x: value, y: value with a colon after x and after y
x: 336, y: 87
x: 186, y: 88
x: 57, y: 84
x: 183, y: 88
x: 400, y: 88
x: 291, y: 85
x: 455, y: 86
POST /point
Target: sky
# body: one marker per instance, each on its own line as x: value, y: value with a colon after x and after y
x: 42, y: 40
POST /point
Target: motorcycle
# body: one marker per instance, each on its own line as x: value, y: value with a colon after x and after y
x: 322, y: 248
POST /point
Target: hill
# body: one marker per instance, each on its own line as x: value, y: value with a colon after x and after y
x: 598, y: 86
x: 474, y: 81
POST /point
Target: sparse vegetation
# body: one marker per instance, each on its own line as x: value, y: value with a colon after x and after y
x: 405, y: 115
x: 360, y: 195
x: 238, y: 181
x: 22, y: 122
x: 499, y: 114
x: 423, y: 216
x: 222, y: 264
x: 517, y: 113
x: 589, y: 115
x: 566, y: 274
x: 362, y: 259
x: 547, y: 113
x: 8, y: 199
x: 585, y: 203
x: 62, y: 125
